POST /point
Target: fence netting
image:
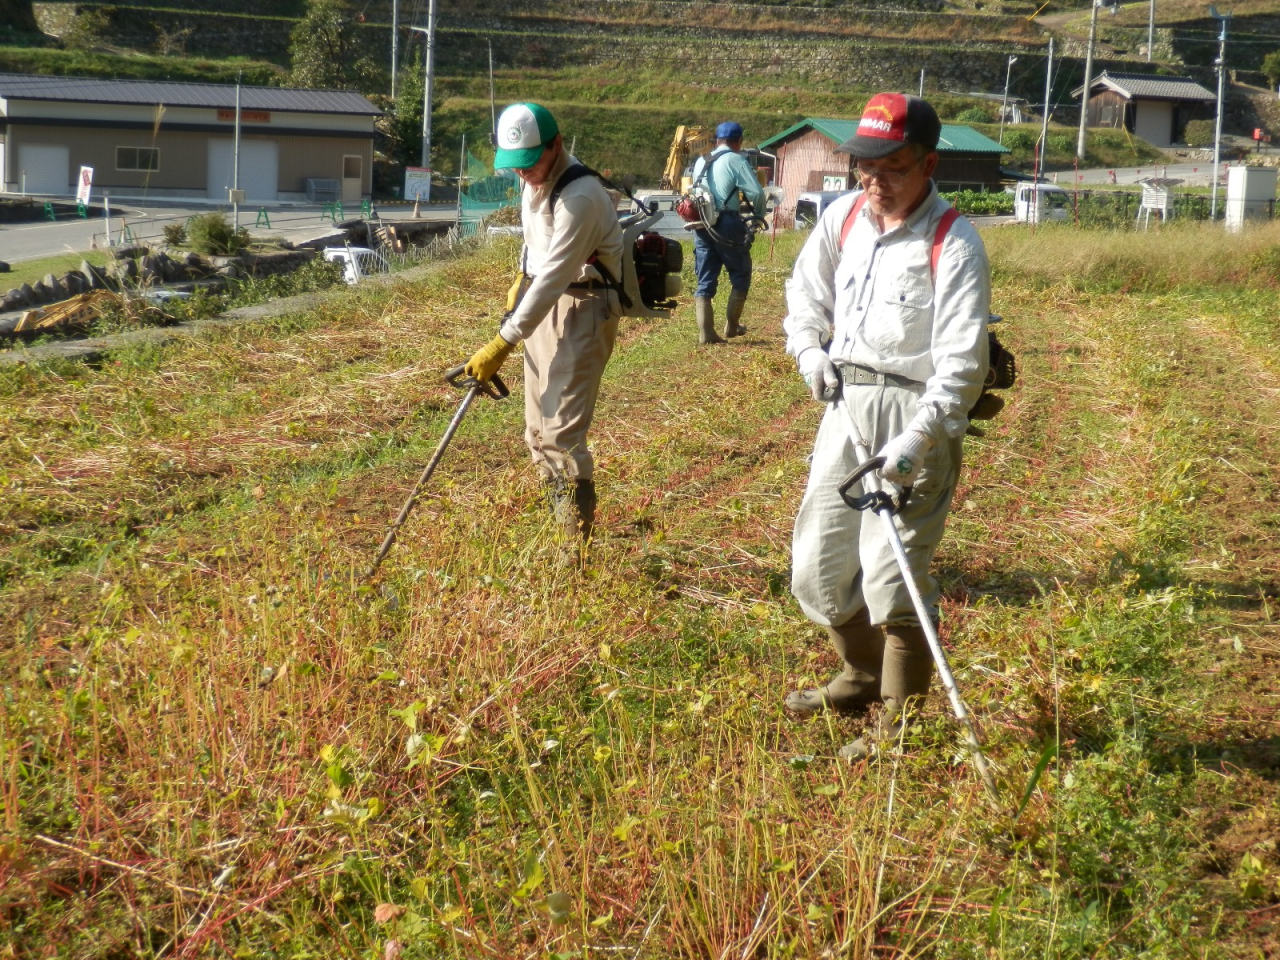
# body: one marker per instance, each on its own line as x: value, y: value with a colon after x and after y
x: 484, y: 194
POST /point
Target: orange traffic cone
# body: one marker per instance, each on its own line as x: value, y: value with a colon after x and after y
x: 415, y: 208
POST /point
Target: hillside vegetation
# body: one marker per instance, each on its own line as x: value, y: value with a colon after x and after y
x: 213, y: 741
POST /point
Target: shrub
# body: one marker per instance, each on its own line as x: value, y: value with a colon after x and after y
x: 175, y: 234
x: 1271, y: 67
x: 973, y: 115
x: 1199, y: 133
x: 212, y: 233
x: 1061, y: 143
x: 976, y: 202
x: 1019, y: 140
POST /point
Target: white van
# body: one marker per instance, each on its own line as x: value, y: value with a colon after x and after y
x: 357, y: 262
x: 1038, y: 202
x: 810, y: 206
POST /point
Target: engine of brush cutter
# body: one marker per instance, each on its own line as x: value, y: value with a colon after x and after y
x: 659, y: 263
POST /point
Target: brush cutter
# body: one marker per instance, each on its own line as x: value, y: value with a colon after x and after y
x: 885, y: 505
x: 455, y: 378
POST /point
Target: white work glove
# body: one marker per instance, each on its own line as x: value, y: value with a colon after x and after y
x: 904, y: 457
x: 819, y: 373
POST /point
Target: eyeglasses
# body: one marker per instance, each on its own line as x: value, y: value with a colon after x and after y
x: 894, y: 178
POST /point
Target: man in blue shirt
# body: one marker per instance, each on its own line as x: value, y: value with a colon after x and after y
x: 725, y: 243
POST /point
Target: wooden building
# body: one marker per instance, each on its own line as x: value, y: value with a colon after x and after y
x: 807, y: 159
x: 163, y: 139
x: 1156, y: 109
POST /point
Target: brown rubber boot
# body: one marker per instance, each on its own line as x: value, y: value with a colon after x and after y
x: 584, y: 506
x: 861, y: 647
x: 733, y: 314
x: 908, y: 668
x: 882, y: 736
x: 705, y: 311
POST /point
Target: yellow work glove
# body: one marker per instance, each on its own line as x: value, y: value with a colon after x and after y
x: 515, y: 292
x: 488, y: 359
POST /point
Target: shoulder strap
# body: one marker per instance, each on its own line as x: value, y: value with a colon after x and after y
x: 939, y: 237
x: 707, y: 162
x: 575, y: 172
x: 944, y: 227
x: 851, y: 217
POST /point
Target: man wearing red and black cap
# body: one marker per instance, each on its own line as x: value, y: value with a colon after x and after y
x: 725, y: 243
x: 887, y: 313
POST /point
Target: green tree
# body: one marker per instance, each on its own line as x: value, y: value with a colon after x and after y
x: 18, y: 16
x: 326, y: 49
x: 406, y: 116
x: 1271, y: 67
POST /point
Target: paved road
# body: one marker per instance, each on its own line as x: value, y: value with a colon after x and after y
x: 1195, y: 174
x: 31, y: 241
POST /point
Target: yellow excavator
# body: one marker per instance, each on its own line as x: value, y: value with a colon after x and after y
x: 689, y: 142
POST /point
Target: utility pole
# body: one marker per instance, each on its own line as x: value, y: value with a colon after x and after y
x: 1151, y: 29
x: 922, y: 83
x: 1005, y: 99
x: 1221, y: 64
x: 235, y: 165
x: 493, y: 109
x: 1044, y: 137
x: 462, y: 172
x: 396, y: 44
x: 430, y: 31
x: 1088, y: 78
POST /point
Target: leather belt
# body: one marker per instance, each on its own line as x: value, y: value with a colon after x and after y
x: 854, y: 376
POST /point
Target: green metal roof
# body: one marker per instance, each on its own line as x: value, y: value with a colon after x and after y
x: 956, y: 138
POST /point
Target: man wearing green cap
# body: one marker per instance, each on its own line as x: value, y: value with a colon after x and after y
x: 567, y: 316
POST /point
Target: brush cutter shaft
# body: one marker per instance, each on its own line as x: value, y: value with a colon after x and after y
x: 494, y: 388
x: 884, y: 509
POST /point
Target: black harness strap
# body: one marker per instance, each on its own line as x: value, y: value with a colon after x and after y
x: 576, y: 172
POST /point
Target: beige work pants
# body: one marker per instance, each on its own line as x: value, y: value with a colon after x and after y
x: 841, y: 560
x: 564, y: 360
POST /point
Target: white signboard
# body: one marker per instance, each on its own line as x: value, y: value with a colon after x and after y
x: 417, y: 183
x: 835, y: 183
x: 84, y: 185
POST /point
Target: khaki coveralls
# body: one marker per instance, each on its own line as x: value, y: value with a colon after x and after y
x: 567, y: 318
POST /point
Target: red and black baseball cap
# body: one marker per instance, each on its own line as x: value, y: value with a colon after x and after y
x: 889, y: 123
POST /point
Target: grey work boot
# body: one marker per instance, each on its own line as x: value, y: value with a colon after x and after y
x: 860, y: 646
x: 706, y: 314
x: 573, y: 504
x: 882, y: 736
x: 733, y: 314
x: 908, y: 668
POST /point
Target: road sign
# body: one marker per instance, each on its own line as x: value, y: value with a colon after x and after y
x: 85, y: 184
x: 417, y: 183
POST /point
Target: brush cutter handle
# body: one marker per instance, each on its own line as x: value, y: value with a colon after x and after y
x: 875, y: 499
x: 494, y: 387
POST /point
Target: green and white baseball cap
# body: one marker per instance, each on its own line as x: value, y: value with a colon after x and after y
x: 524, y: 130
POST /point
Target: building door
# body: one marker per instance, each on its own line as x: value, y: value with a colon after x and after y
x: 1154, y: 122
x: 47, y: 169
x: 352, y: 178
x: 259, y: 169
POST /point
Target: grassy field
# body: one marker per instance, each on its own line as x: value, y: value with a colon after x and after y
x: 33, y: 271
x: 214, y: 743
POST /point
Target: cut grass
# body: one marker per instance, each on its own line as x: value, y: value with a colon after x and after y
x: 208, y: 746
x: 33, y: 271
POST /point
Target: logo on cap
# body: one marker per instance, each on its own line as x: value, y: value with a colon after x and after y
x: 513, y: 134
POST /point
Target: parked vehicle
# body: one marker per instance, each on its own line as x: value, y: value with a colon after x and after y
x: 810, y: 206
x: 357, y: 262
x: 1037, y: 202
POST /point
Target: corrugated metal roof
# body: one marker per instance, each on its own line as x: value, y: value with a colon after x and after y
x: 21, y: 86
x: 1152, y: 87
x: 956, y: 138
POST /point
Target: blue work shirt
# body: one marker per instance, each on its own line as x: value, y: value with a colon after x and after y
x: 728, y: 176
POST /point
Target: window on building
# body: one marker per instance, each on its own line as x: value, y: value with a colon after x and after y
x: 146, y: 159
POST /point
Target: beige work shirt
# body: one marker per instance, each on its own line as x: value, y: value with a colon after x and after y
x: 556, y: 249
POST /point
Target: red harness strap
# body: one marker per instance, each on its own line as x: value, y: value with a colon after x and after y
x: 944, y: 227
